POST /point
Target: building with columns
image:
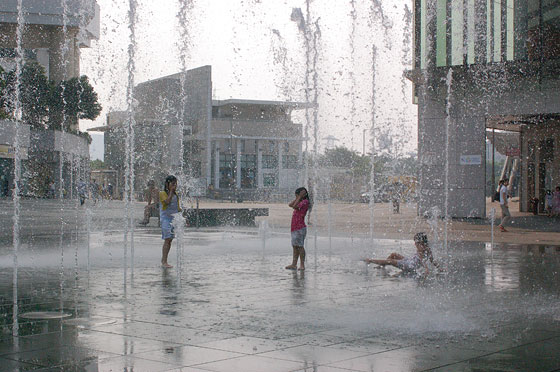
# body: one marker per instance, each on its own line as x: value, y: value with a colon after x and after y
x: 481, y: 67
x: 238, y: 146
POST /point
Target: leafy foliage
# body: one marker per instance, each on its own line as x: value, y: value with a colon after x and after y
x: 97, y: 164
x: 47, y: 104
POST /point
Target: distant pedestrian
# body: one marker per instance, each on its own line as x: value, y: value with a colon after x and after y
x: 396, y: 196
x: 169, y: 205
x: 504, y: 205
x: 94, y: 191
x: 301, y: 204
x: 548, y: 203
x: 82, y: 191
x: 152, y: 194
x: 110, y: 191
x: 52, y: 190
x: 556, y: 202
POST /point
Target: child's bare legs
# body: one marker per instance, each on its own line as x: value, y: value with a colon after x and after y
x: 395, y: 256
x: 293, y: 266
x: 147, y: 214
x: 301, y: 258
x: 165, y: 252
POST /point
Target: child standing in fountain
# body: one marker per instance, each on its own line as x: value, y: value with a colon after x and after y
x: 168, y: 205
x: 301, y: 204
x: 413, y: 263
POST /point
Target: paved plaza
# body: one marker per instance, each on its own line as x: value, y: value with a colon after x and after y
x: 229, y: 304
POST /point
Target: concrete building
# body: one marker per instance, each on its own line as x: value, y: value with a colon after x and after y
x: 52, y: 36
x: 480, y: 65
x: 240, y: 147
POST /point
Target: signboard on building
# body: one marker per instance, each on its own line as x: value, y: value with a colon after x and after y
x: 9, y: 152
x: 470, y: 160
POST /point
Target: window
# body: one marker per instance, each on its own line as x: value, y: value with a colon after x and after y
x: 289, y: 161
x: 547, y: 150
x: 286, y: 146
x: 269, y: 161
x: 248, y: 171
x: 227, y: 171
x: 269, y: 180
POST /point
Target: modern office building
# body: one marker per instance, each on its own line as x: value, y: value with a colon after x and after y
x: 485, y: 65
x: 238, y: 146
x: 52, y: 36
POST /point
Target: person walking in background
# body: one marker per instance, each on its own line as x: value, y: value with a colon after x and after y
x: 301, y: 204
x: 82, y: 191
x: 169, y: 205
x: 152, y: 194
x: 556, y: 202
x: 504, y: 205
x: 548, y: 203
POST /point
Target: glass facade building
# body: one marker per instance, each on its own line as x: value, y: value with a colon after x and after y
x: 466, y: 32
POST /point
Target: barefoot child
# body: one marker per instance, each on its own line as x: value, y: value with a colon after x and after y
x: 301, y: 205
x: 169, y: 205
x: 413, y: 263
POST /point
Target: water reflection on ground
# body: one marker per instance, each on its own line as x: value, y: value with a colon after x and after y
x: 233, y: 307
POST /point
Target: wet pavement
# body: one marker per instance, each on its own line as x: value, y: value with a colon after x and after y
x: 231, y: 305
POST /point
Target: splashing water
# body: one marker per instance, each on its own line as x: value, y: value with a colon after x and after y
x: 130, y: 151
x: 449, y: 81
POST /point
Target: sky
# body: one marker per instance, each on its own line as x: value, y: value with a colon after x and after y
x: 257, y: 52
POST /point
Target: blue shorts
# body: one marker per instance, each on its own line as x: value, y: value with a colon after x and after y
x: 167, y: 228
x: 298, y: 237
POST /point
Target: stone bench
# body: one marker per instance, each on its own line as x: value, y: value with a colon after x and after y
x: 223, y: 216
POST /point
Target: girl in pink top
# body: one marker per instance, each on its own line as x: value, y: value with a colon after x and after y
x: 301, y: 204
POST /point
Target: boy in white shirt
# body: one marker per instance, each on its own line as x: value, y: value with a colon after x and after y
x: 504, y: 204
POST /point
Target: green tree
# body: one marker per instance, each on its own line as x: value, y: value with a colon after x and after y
x: 71, y: 100
x: 343, y: 157
x: 33, y: 94
x: 97, y: 164
x: 44, y: 103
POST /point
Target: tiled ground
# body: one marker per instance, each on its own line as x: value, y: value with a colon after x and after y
x: 233, y: 307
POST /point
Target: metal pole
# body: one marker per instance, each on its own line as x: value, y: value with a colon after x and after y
x: 493, y: 163
x: 197, y: 214
x: 364, y: 142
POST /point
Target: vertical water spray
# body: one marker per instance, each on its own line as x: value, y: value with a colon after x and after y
x: 76, y: 232
x: 64, y: 53
x: 315, y: 78
x: 386, y: 23
x: 353, y: 88
x: 372, y: 143
x: 311, y: 55
x: 405, y: 60
x: 449, y: 81
x: 492, y: 220
x: 185, y: 8
x: 130, y: 154
x: 17, y: 166
x: 86, y: 7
